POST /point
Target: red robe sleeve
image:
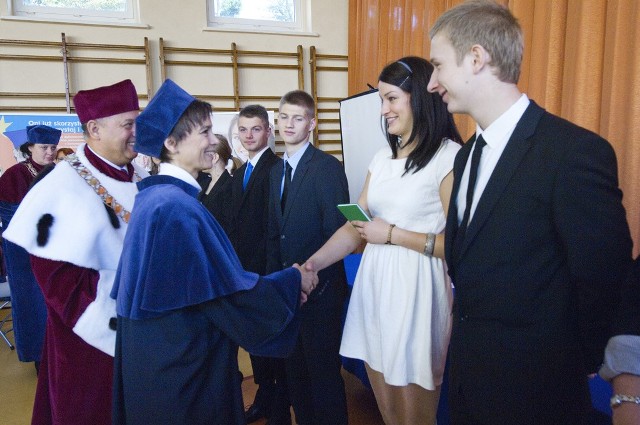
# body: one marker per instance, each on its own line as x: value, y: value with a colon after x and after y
x: 68, y: 289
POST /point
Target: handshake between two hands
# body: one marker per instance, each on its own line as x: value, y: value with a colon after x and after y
x: 308, y: 280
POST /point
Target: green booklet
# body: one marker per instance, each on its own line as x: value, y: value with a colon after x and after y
x: 353, y: 212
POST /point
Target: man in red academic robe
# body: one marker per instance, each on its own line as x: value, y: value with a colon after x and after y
x: 73, y: 223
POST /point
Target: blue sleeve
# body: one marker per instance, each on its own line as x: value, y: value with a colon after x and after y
x: 263, y: 320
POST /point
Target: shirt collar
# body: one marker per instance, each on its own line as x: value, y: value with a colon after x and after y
x: 504, y: 125
x: 256, y: 158
x: 167, y: 169
x: 295, y: 158
x: 106, y: 161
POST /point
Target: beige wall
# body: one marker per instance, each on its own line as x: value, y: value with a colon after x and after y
x: 180, y: 24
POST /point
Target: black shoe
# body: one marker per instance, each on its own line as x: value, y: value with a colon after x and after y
x: 254, y: 413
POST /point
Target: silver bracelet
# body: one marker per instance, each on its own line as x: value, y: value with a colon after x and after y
x: 429, y: 245
x: 618, y: 399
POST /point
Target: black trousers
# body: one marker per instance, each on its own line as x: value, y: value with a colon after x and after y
x: 314, y: 378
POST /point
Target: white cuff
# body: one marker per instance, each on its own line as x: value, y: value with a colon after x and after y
x: 93, y: 325
x: 622, y: 355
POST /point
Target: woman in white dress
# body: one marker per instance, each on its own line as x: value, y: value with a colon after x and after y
x: 399, y: 316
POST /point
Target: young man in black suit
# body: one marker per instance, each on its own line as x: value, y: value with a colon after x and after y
x: 537, y: 248
x: 304, y: 191
x: 250, y: 196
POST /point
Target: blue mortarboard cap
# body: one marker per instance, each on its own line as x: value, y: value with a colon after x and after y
x: 43, y: 134
x: 17, y: 137
x: 157, y: 120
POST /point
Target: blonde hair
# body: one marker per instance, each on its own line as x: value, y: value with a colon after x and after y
x: 302, y: 99
x: 490, y: 25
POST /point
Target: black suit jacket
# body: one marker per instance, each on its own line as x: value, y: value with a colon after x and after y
x: 310, y: 217
x: 218, y: 201
x: 538, y: 274
x: 628, y: 319
x: 248, y: 232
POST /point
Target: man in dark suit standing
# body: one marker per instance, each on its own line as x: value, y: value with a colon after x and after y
x: 537, y: 241
x: 305, y: 190
x: 250, y: 196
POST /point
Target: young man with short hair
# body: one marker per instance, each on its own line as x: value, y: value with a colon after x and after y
x: 305, y: 190
x: 537, y: 248
x: 249, y: 197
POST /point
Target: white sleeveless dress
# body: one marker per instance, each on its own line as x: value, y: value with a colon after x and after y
x: 399, y: 315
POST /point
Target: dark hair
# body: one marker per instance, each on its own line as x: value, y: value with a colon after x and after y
x: 432, y: 122
x: 24, y: 148
x: 224, y: 150
x: 252, y: 111
x: 195, y: 114
x: 300, y: 98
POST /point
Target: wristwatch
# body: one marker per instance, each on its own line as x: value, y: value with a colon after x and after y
x: 617, y: 399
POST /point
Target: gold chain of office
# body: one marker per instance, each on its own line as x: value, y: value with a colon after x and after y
x: 99, y: 189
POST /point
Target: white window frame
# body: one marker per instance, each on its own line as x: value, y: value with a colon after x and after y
x: 302, y: 24
x: 18, y: 9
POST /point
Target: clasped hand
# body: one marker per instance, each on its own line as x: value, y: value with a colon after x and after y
x: 308, y: 280
x: 375, y: 231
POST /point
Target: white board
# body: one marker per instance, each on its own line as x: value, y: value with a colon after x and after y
x: 362, y: 137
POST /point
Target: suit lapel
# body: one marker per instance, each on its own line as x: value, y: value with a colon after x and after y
x: 452, y: 214
x: 275, y: 182
x: 257, y: 170
x: 297, y: 179
x: 517, y: 147
x: 217, y: 186
x: 237, y: 191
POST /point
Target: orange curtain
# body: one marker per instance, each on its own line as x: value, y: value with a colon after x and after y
x: 579, y: 63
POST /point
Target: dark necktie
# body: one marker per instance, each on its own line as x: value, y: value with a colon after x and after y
x: 247, y: 174
x: 285, y: 187
x: 473, y: 175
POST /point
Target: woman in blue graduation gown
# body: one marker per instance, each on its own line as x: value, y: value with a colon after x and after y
x: 184, y: 303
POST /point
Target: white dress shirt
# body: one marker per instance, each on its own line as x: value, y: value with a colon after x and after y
x: 497, y: 136
x: 293, y: 162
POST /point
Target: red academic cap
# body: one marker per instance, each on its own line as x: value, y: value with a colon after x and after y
x: 106, y: 101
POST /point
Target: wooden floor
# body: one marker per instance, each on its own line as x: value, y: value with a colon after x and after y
x: 18, y: 383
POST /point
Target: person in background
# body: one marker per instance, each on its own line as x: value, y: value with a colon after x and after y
x: 304, y: 191
x: 622, y: 355
x: 186, y: 303
x: 234, y: 140
x: 250, y: 196
x: 399, y: 316
x: 216, y: 183
x: 536, y: 242
x: 28, y: 309
x: 62, y: 153
x: 73, y: 223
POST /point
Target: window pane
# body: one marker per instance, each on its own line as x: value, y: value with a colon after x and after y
x: 105, y: 5
x: 267, y: 10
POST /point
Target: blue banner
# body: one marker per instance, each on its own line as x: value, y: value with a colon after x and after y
x: 13, y: 132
